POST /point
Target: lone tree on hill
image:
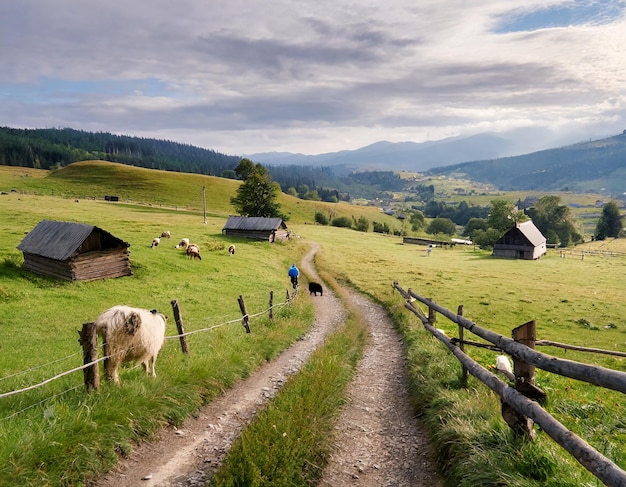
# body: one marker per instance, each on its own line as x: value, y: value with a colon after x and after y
x: 258, y: 193
x: 610, y: 222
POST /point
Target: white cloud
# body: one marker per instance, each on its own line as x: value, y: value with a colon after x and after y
x: 243, y: 76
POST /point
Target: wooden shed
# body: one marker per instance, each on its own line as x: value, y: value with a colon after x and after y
x: 74, y: 252
x: 259, y: 228
x: 523, y: 241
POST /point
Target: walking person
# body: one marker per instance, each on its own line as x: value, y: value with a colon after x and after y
x: 293, y: 274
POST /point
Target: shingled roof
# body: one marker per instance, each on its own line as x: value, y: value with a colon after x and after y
x: 254, y: 223
x: 531, y: 232
x: 60, y: 240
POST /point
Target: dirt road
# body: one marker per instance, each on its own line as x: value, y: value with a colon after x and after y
x: 379, y: 442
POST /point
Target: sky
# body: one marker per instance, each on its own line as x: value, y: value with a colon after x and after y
x: 243, y: 77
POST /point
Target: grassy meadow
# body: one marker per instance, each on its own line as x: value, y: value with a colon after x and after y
x: 572, y: 300
x: 59, y: 435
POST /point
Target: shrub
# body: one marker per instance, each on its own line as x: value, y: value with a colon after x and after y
x: 321, y: 218
x: 342, y: 221
x: 362, y: 224
x: 381, y: 227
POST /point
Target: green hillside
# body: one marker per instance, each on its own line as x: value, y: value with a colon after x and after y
x: 177, y: 191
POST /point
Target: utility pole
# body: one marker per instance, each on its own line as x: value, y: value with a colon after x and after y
x: 204, y: 202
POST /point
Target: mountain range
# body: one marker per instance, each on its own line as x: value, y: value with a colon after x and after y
x: 597, y: 166
x: 399, y: 156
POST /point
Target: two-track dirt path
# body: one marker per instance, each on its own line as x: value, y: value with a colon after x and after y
x: 378, y: 440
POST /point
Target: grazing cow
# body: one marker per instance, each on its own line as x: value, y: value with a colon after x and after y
x: 131, y: 334
x: 231, y: 250
x: 315, y: 288
x: 193, y: 251
x: 166, y: 234
x: 183, y: 244
x: 155, y: 242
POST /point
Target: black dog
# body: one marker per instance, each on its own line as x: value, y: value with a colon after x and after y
x: 315, y: 288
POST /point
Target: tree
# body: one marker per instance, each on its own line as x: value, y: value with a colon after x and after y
x: 504, y: 215
x: 416, y: 220
x: 258, y: 193
x: 245, y: 168
x: 441, y: 225
x: 610, y: 222
x: 556, y: 221
x: 473, y: 225
x: 486, y: 239
x: 229, y: 174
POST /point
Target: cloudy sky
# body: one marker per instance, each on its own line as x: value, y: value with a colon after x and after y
x: 244, y: 76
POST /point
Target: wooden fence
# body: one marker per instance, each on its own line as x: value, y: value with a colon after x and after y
x: 520, y: 407
x: 88, y: 338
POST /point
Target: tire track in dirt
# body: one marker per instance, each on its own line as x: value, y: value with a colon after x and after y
x: 378, y: 439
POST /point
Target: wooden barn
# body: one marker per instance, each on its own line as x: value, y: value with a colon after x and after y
x: 259, y: 228
x: 74, y: 252
x: 523, y: 241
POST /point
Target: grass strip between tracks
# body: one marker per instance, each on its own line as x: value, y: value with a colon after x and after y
x: 289, y: 441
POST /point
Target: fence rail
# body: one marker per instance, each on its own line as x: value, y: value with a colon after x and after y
x: 524, y: 408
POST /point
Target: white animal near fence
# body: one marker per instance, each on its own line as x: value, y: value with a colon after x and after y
x: 503, y: 365
x: 131, y: 335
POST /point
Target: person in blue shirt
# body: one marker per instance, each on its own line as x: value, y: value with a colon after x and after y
x: 293, y: 274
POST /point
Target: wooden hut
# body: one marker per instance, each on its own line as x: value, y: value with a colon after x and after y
x: 523, y: 241
x: 259, y: 228
x: 74, y: 252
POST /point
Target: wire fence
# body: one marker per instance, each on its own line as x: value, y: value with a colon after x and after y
x: 92, y: 363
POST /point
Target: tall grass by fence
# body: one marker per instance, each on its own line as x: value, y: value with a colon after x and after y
x: 524, y: 408
x: 88, y: 341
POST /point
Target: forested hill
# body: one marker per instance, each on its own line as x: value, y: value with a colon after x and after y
x: 597, y: 166
x: 54, y: 148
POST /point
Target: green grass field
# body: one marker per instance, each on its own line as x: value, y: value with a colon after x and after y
x: 57, y: 435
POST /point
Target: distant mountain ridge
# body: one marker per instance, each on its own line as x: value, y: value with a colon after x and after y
x: 409, y: 156
x: 597, y: 166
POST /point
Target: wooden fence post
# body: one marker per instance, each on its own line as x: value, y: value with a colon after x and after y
x: 288, y: 297
x: 271, y: 303
x: 525, y: 334
x: 242, y: 307
x: 462, y: 347
x: 432, y: 315
x: 524, y: 372
x: 179, y: 327
x: 89, y: 341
